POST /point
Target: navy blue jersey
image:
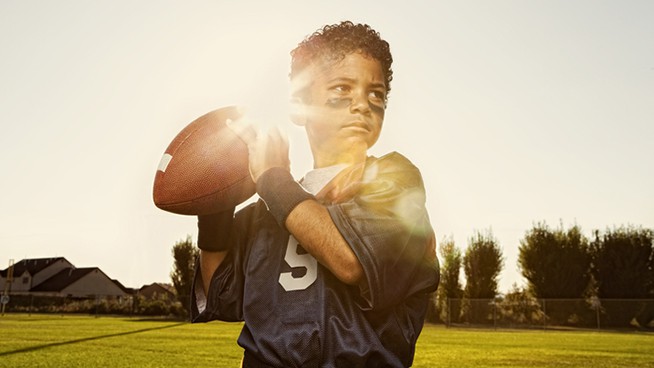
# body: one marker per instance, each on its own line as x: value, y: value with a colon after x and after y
x: 297, y: 314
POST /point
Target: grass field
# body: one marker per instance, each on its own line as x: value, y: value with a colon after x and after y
x: 83, y: 341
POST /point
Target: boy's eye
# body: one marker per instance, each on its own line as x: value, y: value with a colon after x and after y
x: 380, y: 95
x: 341, y: 88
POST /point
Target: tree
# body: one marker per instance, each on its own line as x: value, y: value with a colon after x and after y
x: 556, y: 263
x: 622, y: 263
x: 185, y: 254
x: 450, y: 285
x: 482, y: 265
x: 623, y: 267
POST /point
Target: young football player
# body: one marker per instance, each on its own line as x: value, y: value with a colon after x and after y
x: 335, y: 270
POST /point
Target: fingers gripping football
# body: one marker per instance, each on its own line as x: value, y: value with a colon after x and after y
x: 265, y: 150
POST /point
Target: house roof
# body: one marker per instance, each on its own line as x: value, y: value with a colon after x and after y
x: 32, y: 266
x: 158, y: 285
x: 157, y: 288
x: 63, y: 279
x: 123, y: 287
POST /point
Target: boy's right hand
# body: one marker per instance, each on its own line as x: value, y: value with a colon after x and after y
x: 265, y: 150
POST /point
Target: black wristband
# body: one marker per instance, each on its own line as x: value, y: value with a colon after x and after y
x: 281, y: 193
x: 214, y: 230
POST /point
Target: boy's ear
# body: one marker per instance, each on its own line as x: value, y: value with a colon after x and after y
x: 300, y: 97
x: 298, y: 111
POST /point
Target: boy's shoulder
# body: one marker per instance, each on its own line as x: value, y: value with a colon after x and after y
x: 393, y: 158
x: 393, y: 166
x: 389, y: 180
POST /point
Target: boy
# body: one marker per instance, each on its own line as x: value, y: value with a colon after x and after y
x: 335, y: 271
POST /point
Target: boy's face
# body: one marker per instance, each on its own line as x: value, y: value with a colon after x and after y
x: 344, y: 109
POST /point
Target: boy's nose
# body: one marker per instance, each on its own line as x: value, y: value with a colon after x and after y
x: 360, y: 103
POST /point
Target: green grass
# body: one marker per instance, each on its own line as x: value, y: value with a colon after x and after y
x: 441, y: 347
x: 83, y: 341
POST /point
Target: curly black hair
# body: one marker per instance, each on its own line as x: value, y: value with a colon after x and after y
x: 333, y: 42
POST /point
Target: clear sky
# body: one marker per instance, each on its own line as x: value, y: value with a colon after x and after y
x: 515, y: 112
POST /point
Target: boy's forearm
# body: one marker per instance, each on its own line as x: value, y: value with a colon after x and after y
x: 314, y: 229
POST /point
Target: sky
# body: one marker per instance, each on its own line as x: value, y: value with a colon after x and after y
x: 516, y: 112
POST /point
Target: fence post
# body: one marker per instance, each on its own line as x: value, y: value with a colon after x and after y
x: 97, y: 300
x: 596, y: 304
x: 545, y: 313
x: 494, y: 314
x: 449, y: 311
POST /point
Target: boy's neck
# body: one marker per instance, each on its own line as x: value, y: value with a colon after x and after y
x: 345, y: 158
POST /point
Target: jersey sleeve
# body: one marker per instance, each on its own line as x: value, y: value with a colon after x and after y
x: 387, y: 226
x: 224, y: 301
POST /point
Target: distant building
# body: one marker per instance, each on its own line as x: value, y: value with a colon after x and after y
x: 58, y: 277
x: 158, y: 291
x: 130, y: 291
x: 31, y: 272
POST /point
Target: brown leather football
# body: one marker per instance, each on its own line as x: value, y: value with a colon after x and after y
x: 205, y: 168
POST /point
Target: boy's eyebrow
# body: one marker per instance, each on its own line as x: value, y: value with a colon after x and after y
x: 352, y: 80
x: 340, y: 79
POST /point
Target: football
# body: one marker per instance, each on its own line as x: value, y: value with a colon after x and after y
x: 204, y: 170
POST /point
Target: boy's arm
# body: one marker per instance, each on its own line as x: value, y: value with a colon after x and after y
x: 218, y: 281
x: 213, y: 234
x: 310, y: 222
x: 314, y: 229
x: 305, y: 218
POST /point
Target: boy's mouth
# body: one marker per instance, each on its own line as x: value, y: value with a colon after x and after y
x: 358, y: 125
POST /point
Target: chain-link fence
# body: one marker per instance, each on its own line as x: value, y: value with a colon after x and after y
x: 524, y: 312
x: 547, y: 313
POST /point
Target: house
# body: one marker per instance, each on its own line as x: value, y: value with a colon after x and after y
x: 58, y: 277
x: 127, y: 290
x: 79, y: 282
x: 31, y: 272
x: 158, y: 291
